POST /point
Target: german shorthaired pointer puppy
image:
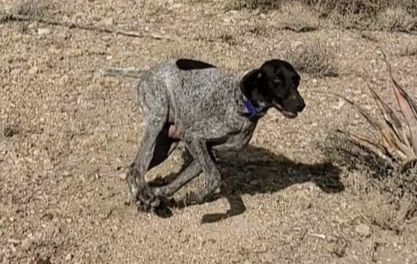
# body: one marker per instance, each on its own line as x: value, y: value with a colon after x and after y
x: 207, y: 109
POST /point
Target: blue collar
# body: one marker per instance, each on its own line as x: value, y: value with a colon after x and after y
x: 252, y: 111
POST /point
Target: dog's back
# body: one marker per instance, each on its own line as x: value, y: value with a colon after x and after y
x: 194, y: 94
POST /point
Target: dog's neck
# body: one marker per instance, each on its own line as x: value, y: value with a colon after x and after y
x: 251, y: 110
x: 252, y: 107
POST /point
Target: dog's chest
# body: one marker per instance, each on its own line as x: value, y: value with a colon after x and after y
x: 243, y: 137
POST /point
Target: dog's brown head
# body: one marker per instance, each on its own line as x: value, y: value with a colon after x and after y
x: 274, y: 84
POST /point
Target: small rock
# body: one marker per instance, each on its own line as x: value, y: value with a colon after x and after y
x: 357, y: 116
x: 297, y: 44
x: 69, y: 257
x: 107, y: 22
x: 33, y: 25
x: 363, y: 230
x: 15, y: 72
x: 63, y: 35
x: 107, y: 38
x: 33, y: 70
x: 122, y: 176
x: 48, y: 165
x: 44, y: 31
x: 14, y: 241
x: 339, y: 248
x: 77, y: 17
x: 54, y: 50
x: 63, y: 80
x: 26, y: 244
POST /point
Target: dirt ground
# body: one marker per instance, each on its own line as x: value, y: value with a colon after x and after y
x: 68, y: 133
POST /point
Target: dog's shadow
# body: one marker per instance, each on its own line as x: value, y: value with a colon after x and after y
x: 256, y: 170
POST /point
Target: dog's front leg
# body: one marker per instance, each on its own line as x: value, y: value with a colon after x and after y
x: 203, y: 155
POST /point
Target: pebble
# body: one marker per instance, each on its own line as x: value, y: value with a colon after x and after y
x: 363, y: 230
x: 69, y: 257
x: 122, y: 176
x: 26, y: 244
x: 15, y: 72
x: 44, y: 31
x: 107, y: 22
x: 77, y: 17
x: 33, y: 70
x: 48, y: 165
x: 63, y: 35
x: 63, y: 80
x: 357, y: 116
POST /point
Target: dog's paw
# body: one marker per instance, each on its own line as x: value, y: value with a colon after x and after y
x: 159, y: 191
x: 146, y: 199
x: 163, y: 209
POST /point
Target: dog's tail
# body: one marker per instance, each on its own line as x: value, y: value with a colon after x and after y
x: 127, y: 72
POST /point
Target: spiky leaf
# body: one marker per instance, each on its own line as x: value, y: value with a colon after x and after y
x: 408, y: 108
x: 388, y: 135
x: 392, y: 125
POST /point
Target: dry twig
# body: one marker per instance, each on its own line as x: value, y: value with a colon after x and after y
x: 16, y: 17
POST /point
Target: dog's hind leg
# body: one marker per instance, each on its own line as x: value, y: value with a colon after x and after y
x: 154, y: 149
x: 141, y: 192
x: 163, y: 148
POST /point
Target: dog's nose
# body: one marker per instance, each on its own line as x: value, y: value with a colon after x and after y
x: 301, y: 106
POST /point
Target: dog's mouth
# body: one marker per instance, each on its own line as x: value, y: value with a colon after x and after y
x: 284, y: 112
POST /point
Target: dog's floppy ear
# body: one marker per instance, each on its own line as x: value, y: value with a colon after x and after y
x: 252, y: 81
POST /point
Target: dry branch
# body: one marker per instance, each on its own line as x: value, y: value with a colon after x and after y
x: 128, y: 72
x: 16, y: 17
x: 303, y: 29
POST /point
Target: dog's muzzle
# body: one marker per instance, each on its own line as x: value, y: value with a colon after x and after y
x: 291, y: 106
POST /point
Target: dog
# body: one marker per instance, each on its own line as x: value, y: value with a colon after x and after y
x: 207, y: 109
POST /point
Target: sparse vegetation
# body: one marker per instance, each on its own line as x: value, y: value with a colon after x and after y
x: 253, y: 4
x: 397, y: 19
x: 29, y: 8
x: 390, y: 156
x: 297, y: 17
x: 315, y: 57
x: 357, y: 14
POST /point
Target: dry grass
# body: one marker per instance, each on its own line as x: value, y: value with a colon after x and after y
x: 388, y: 197
x: 30, y: 8
x: 316, y: 57
x: 396, y: 19
x: 253, y: 4
x: 356, y: 14
x: 296, y: 16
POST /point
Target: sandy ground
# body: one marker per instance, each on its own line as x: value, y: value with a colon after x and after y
x: 68, y: 134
